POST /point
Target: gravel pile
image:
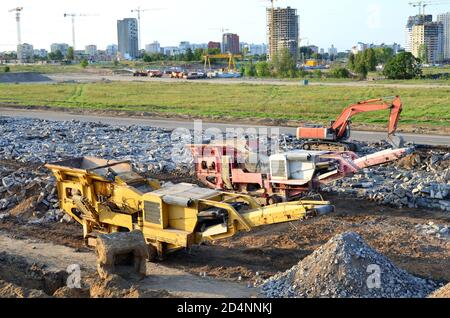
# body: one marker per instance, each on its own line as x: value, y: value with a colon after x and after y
x: 346, y: 267
x: 421, y: 180
x: 438, y: 230
x: 41, y: 141
x: 29, y: 193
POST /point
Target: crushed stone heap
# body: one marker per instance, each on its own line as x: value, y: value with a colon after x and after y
x: 420, y: 180
x: 342, y: 268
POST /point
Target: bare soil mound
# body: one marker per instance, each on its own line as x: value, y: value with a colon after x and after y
x: 9, y: 290
x: 443, y: 292
x: 17, y: 271
x: 116, y: 287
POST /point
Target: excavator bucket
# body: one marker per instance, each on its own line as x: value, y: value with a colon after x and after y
x: 396, y: 141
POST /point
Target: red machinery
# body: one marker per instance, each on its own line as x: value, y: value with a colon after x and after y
x: 282, y: 177
x: 334, y: 137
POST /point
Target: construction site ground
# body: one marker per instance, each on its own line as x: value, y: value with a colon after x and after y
x: 230, y: 268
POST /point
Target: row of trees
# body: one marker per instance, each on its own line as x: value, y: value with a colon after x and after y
x: 367, y: 61
x: 282, y: 65
x: 401, y: 66
x: 57, y: 56
x: 189, y: 56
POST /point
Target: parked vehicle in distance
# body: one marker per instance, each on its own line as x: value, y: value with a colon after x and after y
x: 194, y: 75
x: 140, y: 73
x: 177, y: 74
x: 155, y: 73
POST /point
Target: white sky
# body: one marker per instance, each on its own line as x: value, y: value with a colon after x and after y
x: 325, y: 22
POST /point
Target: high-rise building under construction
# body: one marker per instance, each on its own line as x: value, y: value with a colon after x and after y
x: 425, y: 38
x: 444, y: 18
x: 282, y: 30
x: 128, y: 38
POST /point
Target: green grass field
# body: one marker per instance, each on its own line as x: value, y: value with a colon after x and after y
x: 425, y: 107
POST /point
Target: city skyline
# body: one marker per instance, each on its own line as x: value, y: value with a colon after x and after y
x: 375, y: 21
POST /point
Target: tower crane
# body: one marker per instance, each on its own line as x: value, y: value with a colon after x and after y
x: 222, y: 29
x: 300, y: 40
x: 18, y: 10
x: 423, y: 4
x: 72, y: 16
x: 139, y: 10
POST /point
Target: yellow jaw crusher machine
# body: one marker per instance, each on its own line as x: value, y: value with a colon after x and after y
x: 109, y: 196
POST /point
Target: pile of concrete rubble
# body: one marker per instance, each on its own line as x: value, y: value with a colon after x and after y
x: 438, y: 230
x: 41, y: 141
x: 420, y: 180
x: 346, y: 267
x: 30, y: 191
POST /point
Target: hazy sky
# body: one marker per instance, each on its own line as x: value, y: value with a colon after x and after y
x: 325, y: 22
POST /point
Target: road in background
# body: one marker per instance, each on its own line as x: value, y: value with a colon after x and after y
x: 366, y: 136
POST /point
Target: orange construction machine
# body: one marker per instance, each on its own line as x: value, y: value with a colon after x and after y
x: 334, y: 138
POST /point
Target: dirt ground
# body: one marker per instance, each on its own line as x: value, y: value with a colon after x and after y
x: 277, y: 248
x: 37, y: 268
x: 239, y: 262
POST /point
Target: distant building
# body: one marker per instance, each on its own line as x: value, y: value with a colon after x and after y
x: 214, y: 45
x: 202, y: 46
x: 332, y: 51
x: 395, y: 47
x: 184, y: 46
x: 360, y: 47
x: 25, y: 53
x: 258, y: 49
x: 90, y: 50
x: 282, y: 30
x: 153, y: 48
x: 230, y: 43
x: 444, y: 18
x: 171, y: 50
x: 314, y: 48
x: 42, y: 53
x: 111, y: 50
x: 428, y: 36
x: 412, y: 21
x: 103, y: 56
x: 63, y: 47
x: 128, y: 38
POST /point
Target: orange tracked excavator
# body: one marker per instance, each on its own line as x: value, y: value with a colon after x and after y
x: 335, y: 138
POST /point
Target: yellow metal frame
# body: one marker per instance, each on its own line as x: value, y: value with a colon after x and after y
x: 232, y: 66
x: 118, y: 206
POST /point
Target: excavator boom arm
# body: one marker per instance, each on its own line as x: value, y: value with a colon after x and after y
x: 342, y: 123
